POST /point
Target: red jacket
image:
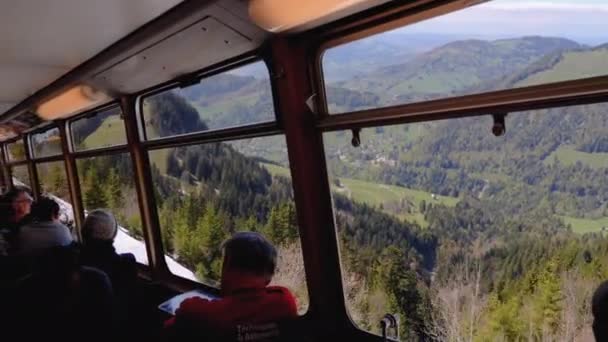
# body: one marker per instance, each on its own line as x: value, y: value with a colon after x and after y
x: 247, y: 301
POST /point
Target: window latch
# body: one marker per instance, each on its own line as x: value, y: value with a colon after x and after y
x: 498, y: 127
x: 388, y: 322
x: 356, y: 140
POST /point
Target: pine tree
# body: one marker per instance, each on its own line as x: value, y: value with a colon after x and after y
x: 210, y: 230
x: 273, y: 229
x: 249, y: 225
x: 58, y: 182
x: 94, y: 195
x: 114, y: 193
x: 548, y: 299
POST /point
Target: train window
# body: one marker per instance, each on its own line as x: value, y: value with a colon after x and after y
x: 54, y: 182
x: 207, y: 192
x: 241, y: 96
x: 100, y: 129
x: 495, y: 45
x: 107, y: 182
x: 16, y: 151
x: 47, y: 143
x: 21, y: 176
x: 469, y: 236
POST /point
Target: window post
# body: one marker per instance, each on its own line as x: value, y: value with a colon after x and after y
x: 144, y: 187
x: 72, y: 176
x: 311, y: 186
x: 31, y: 166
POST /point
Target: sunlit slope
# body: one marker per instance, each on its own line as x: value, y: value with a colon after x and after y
x: 110, y: 132
x: 455, y: 67
x: 381, y: 195
x: 571, y: 65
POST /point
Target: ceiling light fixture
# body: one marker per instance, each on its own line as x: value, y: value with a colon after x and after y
x: 70, y: 102
x: 282, y: 15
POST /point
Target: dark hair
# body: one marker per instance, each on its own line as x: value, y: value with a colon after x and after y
x: 250, y: 252
x: 6, y: 205
x: 45, y: 209
x: 13, y: 193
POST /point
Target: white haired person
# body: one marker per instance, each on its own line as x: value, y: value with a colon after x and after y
x: 98, y: 233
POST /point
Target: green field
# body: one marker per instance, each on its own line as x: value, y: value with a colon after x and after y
x: 582, y: 226
x: 111, y: 132
x: 573, y: 65
x: 375, y: 194
x: 277, y: 170
x: 569, y: 156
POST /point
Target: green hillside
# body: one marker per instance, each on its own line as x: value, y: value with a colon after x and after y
x: 567, y: 155
x: 380, y: 195
x: 110, y: 132
x: 582, y: 226
x: 573, y: 65
x: 454, y: 68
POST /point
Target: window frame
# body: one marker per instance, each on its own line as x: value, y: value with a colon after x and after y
x: 195, y: 79
x: 108, y: 153
x: 585, y: 91
x: 210, y: 140
x: 87, y: 115
x: 29, y: 173
x: 18, y: 139
x: 40, y: 130
x: 589, y: 90
x: 27, y: 162
x: 255, y: 130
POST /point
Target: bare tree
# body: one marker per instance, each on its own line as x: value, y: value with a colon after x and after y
x: 457, y: 307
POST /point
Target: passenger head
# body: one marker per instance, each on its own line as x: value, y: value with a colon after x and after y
x: 45, y: 210
x: 249, y: 253
x: 20, y: 203
x: 599, y: 307
x: 99, y: 226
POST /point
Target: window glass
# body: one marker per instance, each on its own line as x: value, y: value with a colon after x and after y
x: 100, y: 129
x: 54, y: 183
x: 47, y: 143
x: 238, y: 97
x: 495, y: 45
x: 16, y: 150
x: 469, y: 236
x: 205, y: 193
x: 106, y: 182
x: 21, y: 176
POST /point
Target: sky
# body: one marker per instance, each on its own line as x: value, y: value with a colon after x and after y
x: 583, y: 20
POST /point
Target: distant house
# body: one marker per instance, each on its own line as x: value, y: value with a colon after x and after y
x: 433, y: 196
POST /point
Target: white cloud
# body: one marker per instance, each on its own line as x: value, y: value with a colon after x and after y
x: 545, y: 6
x: 523, y: 18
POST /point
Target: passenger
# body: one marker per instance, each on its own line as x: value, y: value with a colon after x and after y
x: 98, y: 233
x: 61, y: 300
x: 18, y: 204
x: 249, y: 265
x: 599, y: 308
x: 45, y: 231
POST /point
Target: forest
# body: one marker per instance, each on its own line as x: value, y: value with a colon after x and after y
x: 501, y: 261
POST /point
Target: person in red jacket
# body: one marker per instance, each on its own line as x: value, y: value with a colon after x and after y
x: 246, y: 297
